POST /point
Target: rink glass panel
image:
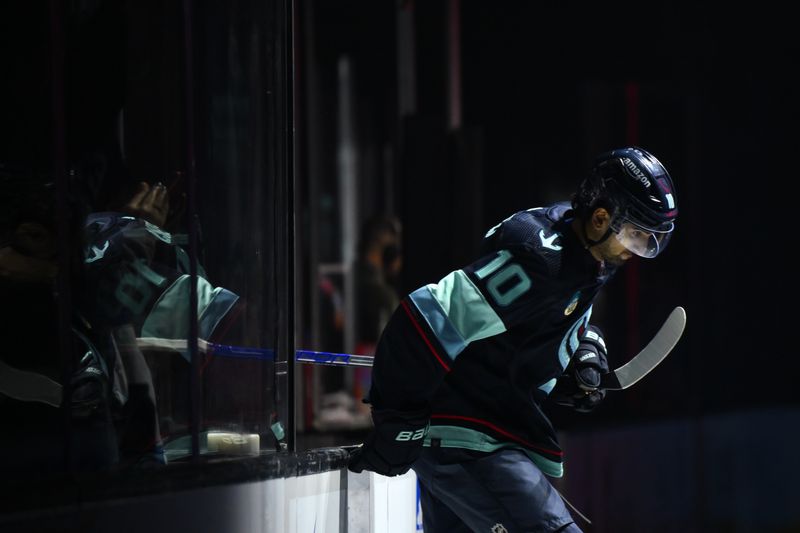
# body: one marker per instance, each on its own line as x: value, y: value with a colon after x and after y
x: 188, y: 310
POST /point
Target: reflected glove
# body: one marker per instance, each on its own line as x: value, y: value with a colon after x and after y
x: 579, y: 385
x: 89, y: 383
x: 393, y: 444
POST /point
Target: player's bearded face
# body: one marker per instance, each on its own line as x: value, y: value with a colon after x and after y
x: 613, y: 252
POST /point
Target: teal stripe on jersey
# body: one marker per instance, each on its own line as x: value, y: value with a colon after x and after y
x: 457, y: 312
x: 470, y: 439
x: 548, y: 386
x: 570, y: 338
x: 445, y: 332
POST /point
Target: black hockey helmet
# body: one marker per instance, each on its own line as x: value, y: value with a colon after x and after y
x: 638, y: 192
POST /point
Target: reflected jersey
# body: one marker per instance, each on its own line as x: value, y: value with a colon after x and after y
x: 138, y: 273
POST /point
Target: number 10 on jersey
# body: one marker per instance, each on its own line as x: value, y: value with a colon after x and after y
x: 506, y: 281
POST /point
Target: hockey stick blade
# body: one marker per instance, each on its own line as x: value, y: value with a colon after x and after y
x: 652, y: 354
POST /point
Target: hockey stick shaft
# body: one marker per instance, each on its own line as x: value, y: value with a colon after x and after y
x: 621, y: 378
x: 244, y: 352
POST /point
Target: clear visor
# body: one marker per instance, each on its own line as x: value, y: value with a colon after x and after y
x: 642, y: 241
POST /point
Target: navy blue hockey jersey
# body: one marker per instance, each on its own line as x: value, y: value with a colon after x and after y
x: 484, y: 346
x: 138, y: 273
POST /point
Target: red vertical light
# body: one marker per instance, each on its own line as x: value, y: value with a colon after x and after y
x: 632, y: 284
x: 454, y: 64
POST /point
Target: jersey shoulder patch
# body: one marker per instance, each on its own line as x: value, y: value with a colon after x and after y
x: 532, y: 232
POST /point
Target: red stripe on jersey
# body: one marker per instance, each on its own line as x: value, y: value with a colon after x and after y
x: 498, y: 430
x: 422, y: 334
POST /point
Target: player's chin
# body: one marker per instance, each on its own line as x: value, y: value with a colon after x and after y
x: 619, y: 260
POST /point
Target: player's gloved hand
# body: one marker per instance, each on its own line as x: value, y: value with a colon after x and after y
x: 393, y: 444
x: 579, y: 386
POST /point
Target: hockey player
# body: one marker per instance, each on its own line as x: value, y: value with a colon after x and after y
x: 464, y: 366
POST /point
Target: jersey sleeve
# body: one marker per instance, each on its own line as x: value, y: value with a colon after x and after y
x: 483, y: 299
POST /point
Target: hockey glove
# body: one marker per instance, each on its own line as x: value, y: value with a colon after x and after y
x: 393, y: 444
x: 579, y: 386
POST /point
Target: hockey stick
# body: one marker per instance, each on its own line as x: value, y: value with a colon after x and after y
x: 246, y: 352
x: 333, y: 359
x: 650, y: 356
x: 621, y: 378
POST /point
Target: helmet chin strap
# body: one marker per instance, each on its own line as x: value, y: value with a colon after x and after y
x: 590, y: 242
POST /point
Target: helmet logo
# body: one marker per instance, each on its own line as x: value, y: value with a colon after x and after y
x: 635, y: 171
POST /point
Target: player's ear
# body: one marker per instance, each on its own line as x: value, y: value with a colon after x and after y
x: 600, y: 219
